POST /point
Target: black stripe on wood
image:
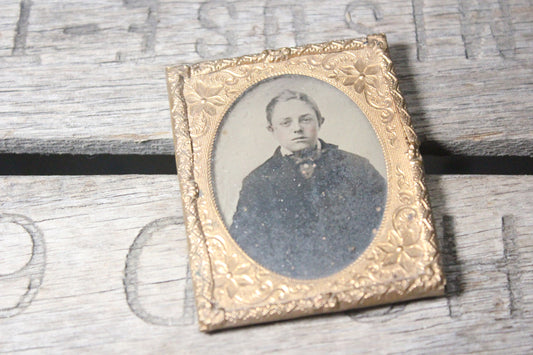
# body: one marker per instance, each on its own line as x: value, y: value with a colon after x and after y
x: 120, y: 164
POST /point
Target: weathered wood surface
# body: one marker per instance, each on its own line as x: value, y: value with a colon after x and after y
x: 88, y: 77
x: 108, y: 275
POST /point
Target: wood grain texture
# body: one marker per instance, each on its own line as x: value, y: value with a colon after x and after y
x: 88, y: 78
x: 113, y: 256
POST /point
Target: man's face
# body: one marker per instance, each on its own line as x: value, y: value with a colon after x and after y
x: 295, y: 125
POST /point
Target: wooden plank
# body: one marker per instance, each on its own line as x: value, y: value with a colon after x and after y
x: 108, y: 274
x: 88, y: 78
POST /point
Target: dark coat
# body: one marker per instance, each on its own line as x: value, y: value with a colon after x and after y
x: 314, y: 227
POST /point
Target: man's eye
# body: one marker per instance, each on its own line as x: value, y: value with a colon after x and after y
x: 305, y: 119
x: 286, y: 123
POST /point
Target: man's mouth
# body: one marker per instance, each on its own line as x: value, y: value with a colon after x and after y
x: 299, y: 139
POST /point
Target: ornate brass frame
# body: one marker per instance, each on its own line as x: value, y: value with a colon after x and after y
x: 231, y: 289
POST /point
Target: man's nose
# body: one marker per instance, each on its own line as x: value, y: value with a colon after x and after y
x: 296, y: 127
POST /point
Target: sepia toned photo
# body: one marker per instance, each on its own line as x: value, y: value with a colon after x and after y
x: 299, y: 176
x: 302, y: 184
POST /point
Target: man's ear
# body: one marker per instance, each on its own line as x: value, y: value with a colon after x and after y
x: 269, y: 128
x: 321, y: 121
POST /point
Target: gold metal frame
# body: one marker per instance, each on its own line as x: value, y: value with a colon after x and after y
x: 401, y: 263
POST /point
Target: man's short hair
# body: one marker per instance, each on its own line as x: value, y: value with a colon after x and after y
x: 287, y: 95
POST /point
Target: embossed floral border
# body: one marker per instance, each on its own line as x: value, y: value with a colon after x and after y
x: 401, y: 263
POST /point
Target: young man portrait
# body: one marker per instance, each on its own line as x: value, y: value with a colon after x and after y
x: 311, y: 209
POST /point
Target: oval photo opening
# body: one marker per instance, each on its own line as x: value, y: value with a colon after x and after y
x: 299, y: 176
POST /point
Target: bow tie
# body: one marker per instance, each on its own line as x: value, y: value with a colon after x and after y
x: 306, y: 161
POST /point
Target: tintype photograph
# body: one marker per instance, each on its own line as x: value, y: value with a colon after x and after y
x: 299, y: 176
x: 302, y: 184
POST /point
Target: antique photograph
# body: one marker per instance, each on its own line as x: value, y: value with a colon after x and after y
x: 302, y: 184
x: 299, y: 176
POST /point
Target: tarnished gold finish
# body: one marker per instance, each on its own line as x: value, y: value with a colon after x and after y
x: 401, y: 263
